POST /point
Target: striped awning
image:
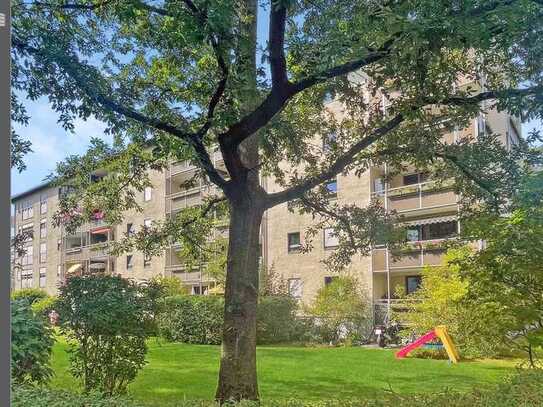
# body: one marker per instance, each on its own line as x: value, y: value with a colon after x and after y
x: 74, y: 268
x: 100, y: 230
x: 429, y: 221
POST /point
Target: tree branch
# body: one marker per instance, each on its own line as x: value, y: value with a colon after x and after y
x: 277, y: 98
x: 75, y: 70
x: 338, y: 166
x: 278, y: 65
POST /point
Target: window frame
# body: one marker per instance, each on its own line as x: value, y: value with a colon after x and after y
x: 43, y: 253
x: 296, y: 247
x: 42, y: 276
x: 43, y: 229
x: 147, y: 194
x: 407, y: 278
x: 300, y: 287
x: 324, y: 238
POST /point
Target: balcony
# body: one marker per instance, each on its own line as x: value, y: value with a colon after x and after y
x: 423, y: 196
x: 416, y: 256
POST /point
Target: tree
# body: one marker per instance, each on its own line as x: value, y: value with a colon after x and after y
x: 507, y: 271
x: 477, y: 325
x: 179, y: 78
x: 342, y: 310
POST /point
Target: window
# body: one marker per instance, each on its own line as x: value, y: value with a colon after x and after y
x: 441, y: 230
x: 147, y: 194
x: 412, y: 284
x: 43, y: 276
x: 199, y: 290
x: 294, y: 242
x: 330, y: 238
x: 99, y: 236
x: 378, y: 185
x: 28, y: 257
x: 295, y: 287
x: 146, y: 260
x: 27, y: 279
x: 43, y: 252
x: 75, y: 242
x: 43, y: 207
x: 433, y: 231
x: 413, y: 234
x: 130, y: 229
x: 331, y: 187
x: 43, y: 228
x: 329, y: 279
x: 28, y: 231
x: 27, y: 210
x: 129, y: 261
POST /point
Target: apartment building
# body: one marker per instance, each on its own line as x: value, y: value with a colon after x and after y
x: 430, y: 211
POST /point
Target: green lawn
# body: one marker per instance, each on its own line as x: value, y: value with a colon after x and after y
x: 180, y: 371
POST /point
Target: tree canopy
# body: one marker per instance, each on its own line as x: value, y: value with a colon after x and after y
x: 178, y: 79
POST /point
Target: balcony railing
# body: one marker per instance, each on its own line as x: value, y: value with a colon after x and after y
x: 416, y: 255
x: 418, y: 196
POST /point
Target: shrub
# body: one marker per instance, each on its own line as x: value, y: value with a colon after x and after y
x: 443, y: 299
x: 276, y: 320
x: 342, y: 312
x: 109, y: 319
x: 29, y: 294
x: 24, y: 396
x: 44, y: 306
x: 192, y: 319
x: 199, y: 319
x: 31, y: 344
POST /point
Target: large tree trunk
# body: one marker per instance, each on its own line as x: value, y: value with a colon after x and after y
x: 237, y: 376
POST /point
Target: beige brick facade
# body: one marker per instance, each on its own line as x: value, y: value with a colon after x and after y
x: 431, y: 211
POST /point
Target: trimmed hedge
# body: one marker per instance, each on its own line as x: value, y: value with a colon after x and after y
x: 524, y: 389
x: 199, y: 320
x: 192, y: 319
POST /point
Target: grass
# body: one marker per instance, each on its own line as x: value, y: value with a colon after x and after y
x: 180, y: 371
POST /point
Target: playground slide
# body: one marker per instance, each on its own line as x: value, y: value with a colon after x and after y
x: 427, y: 337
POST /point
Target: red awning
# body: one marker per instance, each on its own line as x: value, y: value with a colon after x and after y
x: 99, y: 230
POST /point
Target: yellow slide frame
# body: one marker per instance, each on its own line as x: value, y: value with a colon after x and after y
x: 448, y: 344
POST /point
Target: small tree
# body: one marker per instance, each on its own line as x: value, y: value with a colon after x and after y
x: 31, y: 344
x: 443, y: 299
x: 342, y: 311
x: 109, y: 319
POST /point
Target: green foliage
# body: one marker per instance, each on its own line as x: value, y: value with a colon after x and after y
x: 192, y: 319
x: 443, y: 299
x: 44, y: 306
x: 109, y: 318
x: 199, y: 319
x: 23, y: 396
x: 522, y: 389
x: 342, y: 312
x: 29, y: 294
x: 276, y: 320
x: 31, y: 344
x: 507, y: 272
